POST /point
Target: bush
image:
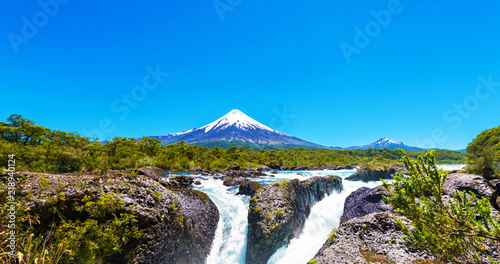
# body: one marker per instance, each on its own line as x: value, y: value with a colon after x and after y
x: 483, y: 153
x: 452, y: 230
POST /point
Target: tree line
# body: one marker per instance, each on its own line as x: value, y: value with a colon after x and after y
x: 54, y: 151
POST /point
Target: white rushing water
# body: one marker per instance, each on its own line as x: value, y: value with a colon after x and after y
x: 451, y: 167
x: 229, y: 244
x: 324, y: 216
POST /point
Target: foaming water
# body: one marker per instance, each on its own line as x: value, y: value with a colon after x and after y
x: 229, y: 245
x: 451, y: 167
x: 324, y: 216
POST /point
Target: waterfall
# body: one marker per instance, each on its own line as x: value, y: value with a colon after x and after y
x: 229, y: 245
x: 324, y: 216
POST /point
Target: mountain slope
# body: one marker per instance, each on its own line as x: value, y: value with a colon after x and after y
x: 386, y: 143
x: 238, y: 127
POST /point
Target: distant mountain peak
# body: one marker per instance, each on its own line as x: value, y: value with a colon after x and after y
x: 385, y: 140
x: 236, y: 126
x: 237, y: 119
x: 386, y: 143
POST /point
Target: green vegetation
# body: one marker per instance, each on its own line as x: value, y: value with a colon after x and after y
x: 40, y: 149
x: 249, y: 145
x: 462, y: 227
x: 313, y: 261
x: 331, y: 236
x: 278, y: 212
x: 70, y: 231
x: 483, y: 153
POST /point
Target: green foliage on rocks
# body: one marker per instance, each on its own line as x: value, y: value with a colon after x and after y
x: 313, y: 261
x: 64, y: 230
x: 331, y: 236
x: 457, y: 229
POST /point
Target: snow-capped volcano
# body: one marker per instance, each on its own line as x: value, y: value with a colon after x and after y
x: 239, y: 120
x: 233, y: 126
x: 386, y: 143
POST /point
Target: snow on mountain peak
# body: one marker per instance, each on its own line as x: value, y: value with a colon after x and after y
x: 238, y: 119
x: 385, y: 140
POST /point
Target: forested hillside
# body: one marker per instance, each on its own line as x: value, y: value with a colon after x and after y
x: 44, y: 150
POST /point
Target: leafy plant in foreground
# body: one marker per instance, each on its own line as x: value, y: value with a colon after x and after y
x: 459, y: 230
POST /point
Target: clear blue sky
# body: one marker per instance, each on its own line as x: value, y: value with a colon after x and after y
x: 76, y: 59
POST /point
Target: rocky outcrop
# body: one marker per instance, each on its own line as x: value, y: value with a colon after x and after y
x: 273, y: 166
x: 366, y: 174
x: 177, y: 181
x: 278, y: 211
x: 467, y: 182
x: 374, y: 238
x: 475, y: 184
x: 365, y: 201
x: 243, y: 173
x: 179, y: 224
x: 339, y: 167
x: 368, y: 233
x: 238, y: 177
x: 249, y: 188
x: 229, y: 181
x: 152, y: 172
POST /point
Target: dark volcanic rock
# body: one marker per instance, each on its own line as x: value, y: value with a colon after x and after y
x: 177, y: 181
x: 228, y: 181
x: 467, y: 182
x: 374, y: 238
x: 263, y: 168
x: 368, y: 233
x: 274, y: 166
x: 365, y: 201
x: 235, y: 168
x: 242, y: 173
x: 278, y: 211
x: 238, y: 177
x: 249, y: 188
x: 179, y: 224
x: 152, y: 172
x: 476, y: 184
x: 365, y: 174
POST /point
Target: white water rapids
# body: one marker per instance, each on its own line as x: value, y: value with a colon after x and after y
x: 229, y: 245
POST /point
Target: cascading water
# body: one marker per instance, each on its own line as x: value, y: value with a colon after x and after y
x: 229, y: 245
x: 324, y: 216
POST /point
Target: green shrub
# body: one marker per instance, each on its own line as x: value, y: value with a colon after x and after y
x: 450, y: 230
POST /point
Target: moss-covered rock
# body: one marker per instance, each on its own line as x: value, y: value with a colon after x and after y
x: 170, y: 224
x: 374, y: 238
